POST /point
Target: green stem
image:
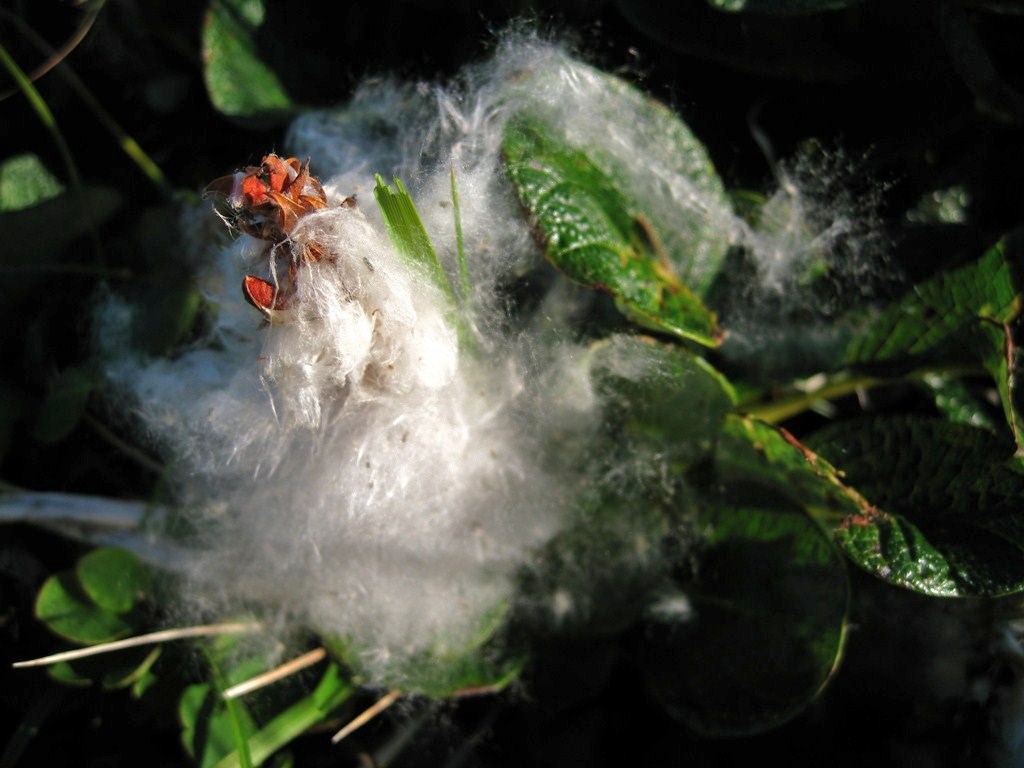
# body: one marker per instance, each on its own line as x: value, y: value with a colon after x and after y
x: 459, y: 244
x: 836, y: 386
x: 38, y: 104
x: 128, y: 145
x: 45, y: 115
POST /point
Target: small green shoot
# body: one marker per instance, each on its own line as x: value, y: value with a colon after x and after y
x: 460, y: 246
x: 408, y: 234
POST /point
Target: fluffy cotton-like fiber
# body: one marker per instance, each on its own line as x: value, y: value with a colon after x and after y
x: 352, y: 469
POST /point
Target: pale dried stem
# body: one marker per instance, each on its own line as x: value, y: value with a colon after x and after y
x: 278, y: 673
x: 367, y: 715
x: 163, y: 636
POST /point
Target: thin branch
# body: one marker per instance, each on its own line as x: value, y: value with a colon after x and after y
x: 836, y: 386
x: 128, y: 144
x: 279, y: 673
x: 163, y: 636
x: 58, y: 55
x: 367, y: 715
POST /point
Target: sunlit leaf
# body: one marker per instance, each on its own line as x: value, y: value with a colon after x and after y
x: 240, y: 84
x: 114, y: 578
x: 407, y: 232
x: 330, y: 693
x: 599, y: 237
x: 207, y: 729
x: 956, y: 402
x: 759, y: 627
x: 939, y: 319
x: 25, y: 182
x: 760, y: 462
x: 65, y: 608
x: 952, y: 505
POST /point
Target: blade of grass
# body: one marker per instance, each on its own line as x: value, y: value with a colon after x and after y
x: 234, y: 709
x: 459, y: 243
x: 330, y: 693
x: 408, y: 233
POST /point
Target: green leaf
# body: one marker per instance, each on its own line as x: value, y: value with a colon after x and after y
x: 597, y: 575
x: 36, y: 234
x: 113, y: 671
x: 208, y: 729
x: 239, y: 83
x: 64, y: 404
x: 954, y: 400
x: 939, y: 319
x: 113, y: 578
x: 67, y: 610
x: 757, y: 461
x: 952, y: 525
x: 761, y: 628
x: 1003, y: 360
x: 331, y: 692
x: 660, y: 395
x: 782, y: 7
x: 599, y: 237
x: 970, y: 314
x: 648, y: 153
x: 445, y: 669
x: 25, y: 182
x: 408, y: 233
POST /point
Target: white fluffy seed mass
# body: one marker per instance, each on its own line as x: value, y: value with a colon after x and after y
x: 353, y: 470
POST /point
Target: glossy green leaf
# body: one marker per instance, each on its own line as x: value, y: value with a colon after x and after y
x: 599, y: 237
x: 239, y: 83
x: 67, y: 610
x: 952, y: 522
x: 661, y: 396
x: 782, y: 7
x: 25, y: 182
x: 113, y: 578
x: 331, y: 692
x: 923, y: 554
x: 954, y: 400
x: 761, y: 627
x: 757, y: 461
x: 64, y: 405
x: 650, y: 155
x: 939, y: 319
